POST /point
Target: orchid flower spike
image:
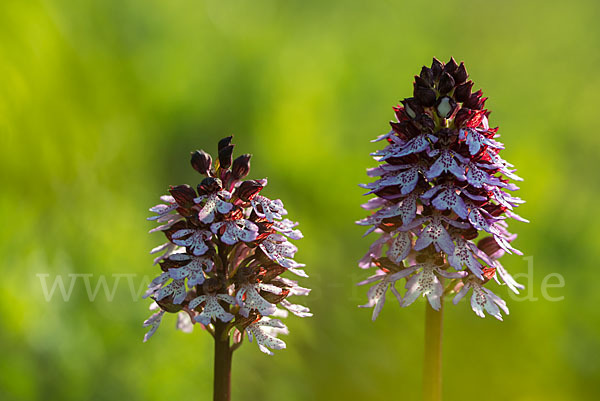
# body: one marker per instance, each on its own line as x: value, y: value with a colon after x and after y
x: 440, y: 185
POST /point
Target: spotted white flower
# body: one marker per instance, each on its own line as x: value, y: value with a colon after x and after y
x: 447, y: 162
x: 193, y: 271
x: 463, y: 255
x: 399, y: 246
x: 478, y: 177
x: 286, y: 227
x: 215, y: 202
x: 281, y: 251
x: 406, y: 180
x: 168, y: 249
x: 426, y: 283
x: 298, y: 310
x: 406, y: 209
x: 212, y: 309
x: 163, y: 210
x: 248, y: 297
x: 265, y: 331
x: 415, y: 145
x: 376, y: 294
x: 267, y: 208
x: 175, y: 288
x: 156, y: 284
x: 482, y: 299
x: 153, y: 321
x: 236, y: 230
x: 164, y: 215
x: 448, y: 198
x: 435, y: 233
x: 196, y: 240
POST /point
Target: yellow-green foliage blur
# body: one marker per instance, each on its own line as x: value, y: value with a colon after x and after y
x: 102, y: 101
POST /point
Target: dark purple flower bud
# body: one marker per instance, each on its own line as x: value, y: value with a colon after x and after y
x: 421, y: 82
x: 426, y: 122
x: 473, y: 102
x: 462, y: 116
x: 436, y: 68
x: 425, y: 96
x: 460, y: 75
x: 450, y: 66
x: 224, y: 142
x: 248, y: 189
x: 412, y: 107
x: 241, y: 166
x: 463, y: 91
x: 184, y: 195
x: 445, y: 107
x: 446, y: 83
x: 225, y: 156
x: 427, y: 76
x: 201, y: 161
x: 209, y: 185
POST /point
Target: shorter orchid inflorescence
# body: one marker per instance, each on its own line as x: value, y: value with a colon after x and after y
x: 440, y: 186
x: 227, y: 246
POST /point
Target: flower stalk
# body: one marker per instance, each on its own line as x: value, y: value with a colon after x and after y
x: 222, y: 364
x: 432, y: 361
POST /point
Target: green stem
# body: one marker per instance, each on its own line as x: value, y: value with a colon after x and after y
x: 432, y: 366
x: 222, y: 364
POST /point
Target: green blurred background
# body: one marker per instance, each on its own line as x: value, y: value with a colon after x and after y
x: 102, y: 101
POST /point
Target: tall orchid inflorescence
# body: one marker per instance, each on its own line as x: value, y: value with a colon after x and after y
x: 227, y: 246
x: 441, y: 185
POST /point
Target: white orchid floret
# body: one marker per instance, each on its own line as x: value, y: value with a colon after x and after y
x: 168, y: 247
x: 236, y: 231
x: 163, y: 209
x: 269, y: 209
x: 293, y: 286
x: 482, y: 299
x: 193, y: 271
x: 212, y: 309
x: 215, y: 202
x: 196, y: 240
x: 399, y: 246
x: 248, y: 297
x: 463, y: 256
x: 280, y: 250
x: 176, y: 288
x: 265, y: 332
x: 298, y: 310
x: 406, y: 209
x: 426, y: 283
x: 286, y: 227
x: 153, y: 321
x: 376, y: 294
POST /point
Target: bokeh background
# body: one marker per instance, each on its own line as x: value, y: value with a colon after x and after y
x: 102, y: 101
